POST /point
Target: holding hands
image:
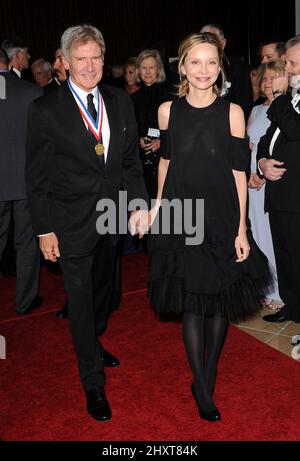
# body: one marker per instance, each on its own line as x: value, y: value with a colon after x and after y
x: 49, y: 247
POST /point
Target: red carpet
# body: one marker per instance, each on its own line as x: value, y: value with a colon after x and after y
x: 41, y: 397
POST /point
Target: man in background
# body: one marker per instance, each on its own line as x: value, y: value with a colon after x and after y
x: 17, y: 51
x: 270, y: 50
x: 13, y: 201
x: 238, y: 88
x: 278, y: 159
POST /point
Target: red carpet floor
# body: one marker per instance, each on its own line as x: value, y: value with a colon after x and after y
x: 41, y: 398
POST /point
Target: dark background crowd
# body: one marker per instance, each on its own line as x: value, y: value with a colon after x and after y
x: 129, y: 26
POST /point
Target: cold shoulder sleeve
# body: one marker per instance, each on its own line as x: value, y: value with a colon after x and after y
x: 165, y: 144
x: 240, y: 153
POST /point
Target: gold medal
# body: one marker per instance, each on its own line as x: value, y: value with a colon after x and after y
x: 99, y: 148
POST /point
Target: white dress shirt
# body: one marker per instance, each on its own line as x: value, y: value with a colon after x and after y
x: 16, y: 71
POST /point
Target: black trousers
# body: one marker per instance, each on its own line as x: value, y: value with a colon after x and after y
x: 8, y: 260
x: 285, y: 229
x: 90, y: 282
x: 27, y: 251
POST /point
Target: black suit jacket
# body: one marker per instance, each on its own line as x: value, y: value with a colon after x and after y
x: 240, y: 92
x: 52, y: 86
x: 13, y: 131
x: 284, y: 194
x: 64, y: 178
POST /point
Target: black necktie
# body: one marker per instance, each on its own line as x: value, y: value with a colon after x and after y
x: 91, y: 106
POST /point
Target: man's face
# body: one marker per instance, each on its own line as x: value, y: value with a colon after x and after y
x: 41, y: 76
x: 269, y: 53
x: 58, y: 66
x: 292, y: 57
x: 22, y: 59
x: 85, y: 65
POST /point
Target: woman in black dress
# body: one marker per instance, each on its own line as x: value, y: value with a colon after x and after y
x: 205, y: 156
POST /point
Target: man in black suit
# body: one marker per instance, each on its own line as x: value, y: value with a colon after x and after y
x: 279, y: 160
x: 43, y: 75
x: 237, y: 87
x: 83, y: 147
x: 17, y: 51
x: 14, y: 105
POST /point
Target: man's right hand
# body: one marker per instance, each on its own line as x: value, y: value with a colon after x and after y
x: 49, y: 247
x: 270, y: 169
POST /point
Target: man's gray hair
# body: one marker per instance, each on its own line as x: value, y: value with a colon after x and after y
x: 13, y: 45
x: 46, y: 64
x: 293, y: 41
x: 80, y: 35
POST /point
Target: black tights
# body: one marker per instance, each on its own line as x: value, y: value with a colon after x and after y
x: 204, y: 334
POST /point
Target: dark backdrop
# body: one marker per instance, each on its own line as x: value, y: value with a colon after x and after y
x: 130, y: 25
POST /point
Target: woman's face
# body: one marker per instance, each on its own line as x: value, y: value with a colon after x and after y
x: 267, y: 81
x: 202, y: 66
x: 148, y: 70
x: 129, y: 75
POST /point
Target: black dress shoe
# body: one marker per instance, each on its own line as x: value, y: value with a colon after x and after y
x: 213, y: 415
x: 97, y: 405
x: 108, y: 359
x: 35, y: 303
x: 63, y: 313
x: 278, y: 317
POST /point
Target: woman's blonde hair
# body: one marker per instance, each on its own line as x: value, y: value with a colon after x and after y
x: 161, y: 76
x: 130, y: 62
x: 186, y: 45
x: 277, y: 65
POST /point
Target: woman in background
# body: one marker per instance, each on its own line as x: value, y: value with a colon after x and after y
x: 130, y: 75
x: 257, y: 126
x: 152, y: 93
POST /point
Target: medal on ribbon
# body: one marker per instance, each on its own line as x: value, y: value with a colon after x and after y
x: 95, y: 126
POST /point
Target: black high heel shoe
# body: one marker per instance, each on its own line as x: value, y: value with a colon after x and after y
x: 213, y: 415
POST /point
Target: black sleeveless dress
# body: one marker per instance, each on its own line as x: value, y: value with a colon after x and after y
x: 204, y: 278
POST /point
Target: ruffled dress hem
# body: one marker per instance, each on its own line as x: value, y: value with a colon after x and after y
x: 238, y: 302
